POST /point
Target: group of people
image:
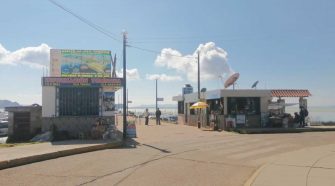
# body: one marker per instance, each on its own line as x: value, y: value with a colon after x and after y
x: 158, y: 116
x: 301, y: 117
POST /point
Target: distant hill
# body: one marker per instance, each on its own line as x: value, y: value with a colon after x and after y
x: 7, y: 103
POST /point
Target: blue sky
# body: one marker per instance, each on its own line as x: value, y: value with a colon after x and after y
x: 281, y: 43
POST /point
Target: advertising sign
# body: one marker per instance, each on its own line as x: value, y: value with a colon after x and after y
x: 113, y: 83
x: 80, y: 63
x: 108, y: 102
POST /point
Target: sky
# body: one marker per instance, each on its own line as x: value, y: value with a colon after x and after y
x: 284, y: 44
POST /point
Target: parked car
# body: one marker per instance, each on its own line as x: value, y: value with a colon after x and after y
x: 3, y: 123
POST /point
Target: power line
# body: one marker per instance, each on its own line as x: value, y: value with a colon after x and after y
x: 158, y: 52
x: 106, y: 32
x: 82, y: 19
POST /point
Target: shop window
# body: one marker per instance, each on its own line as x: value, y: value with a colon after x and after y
x: 244, y: 105
x: 78, y: 101
x: 216, y: 105
x: 180, y: 107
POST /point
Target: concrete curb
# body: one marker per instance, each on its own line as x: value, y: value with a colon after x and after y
x: 281, y: 130
x: 52, y: 155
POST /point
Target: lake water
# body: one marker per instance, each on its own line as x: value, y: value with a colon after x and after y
x: 315, y: 113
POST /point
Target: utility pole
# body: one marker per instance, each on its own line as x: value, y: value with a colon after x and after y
x: 199, y: 75
x: 124, y: 86
x: 127, y: 102
x: 156, y: 94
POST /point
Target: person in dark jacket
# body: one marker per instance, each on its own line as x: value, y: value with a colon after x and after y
x: 158, y: 116
x: 302, y: 114
x: 146, y: 116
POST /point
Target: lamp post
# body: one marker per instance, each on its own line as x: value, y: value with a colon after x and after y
x: 156, y: 93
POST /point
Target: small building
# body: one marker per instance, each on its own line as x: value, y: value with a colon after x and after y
x: 80, y: 91
x: 24, y: 122
x: 245, y: 107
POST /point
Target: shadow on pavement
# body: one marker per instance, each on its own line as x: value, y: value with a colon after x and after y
x: 130, y: 143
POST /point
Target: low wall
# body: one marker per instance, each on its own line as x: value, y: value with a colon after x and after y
x: 74, y: 125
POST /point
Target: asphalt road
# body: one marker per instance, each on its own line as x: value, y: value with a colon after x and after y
x: 168, y: 155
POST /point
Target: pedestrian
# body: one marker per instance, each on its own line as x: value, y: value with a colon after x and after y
x: 302, y: 114
x: 296, y: 119
x: 146, y: 116
x: 158, y: 116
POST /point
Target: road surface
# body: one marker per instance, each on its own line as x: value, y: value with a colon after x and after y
x: 168, y: 155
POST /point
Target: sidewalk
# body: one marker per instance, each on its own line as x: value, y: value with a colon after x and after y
x: 21, y: 155
x: 311, y: 166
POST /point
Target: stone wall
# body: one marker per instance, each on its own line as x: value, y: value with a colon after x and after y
x: 74, y: 125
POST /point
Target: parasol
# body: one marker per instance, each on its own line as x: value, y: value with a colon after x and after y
x: 198, y: 105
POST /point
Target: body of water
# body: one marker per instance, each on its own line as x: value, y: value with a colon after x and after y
x: 316, y: 113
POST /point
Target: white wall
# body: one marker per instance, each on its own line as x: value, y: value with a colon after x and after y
x: 48, y: 101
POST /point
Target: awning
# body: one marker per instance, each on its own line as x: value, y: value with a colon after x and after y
x: 290, y: 93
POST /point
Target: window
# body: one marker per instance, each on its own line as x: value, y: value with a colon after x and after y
x: 75, y: 101
x: 244, y: 105
x: 180, y: 107
x: 216, y: 105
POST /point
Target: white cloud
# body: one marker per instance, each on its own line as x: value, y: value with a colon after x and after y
x: 34, y: 57
x: 132, y: 74
x: 163, y: 77
x: 213, y: 62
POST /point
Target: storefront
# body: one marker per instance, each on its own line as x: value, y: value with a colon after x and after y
x: 242, y: 108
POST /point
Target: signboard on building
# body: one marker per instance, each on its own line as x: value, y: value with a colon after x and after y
x: 114, y: 83
x: 108, y: 103
x: 80, y: 63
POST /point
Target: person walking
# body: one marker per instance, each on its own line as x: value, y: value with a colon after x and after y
x: 146, y: 116
x: 158, y: 116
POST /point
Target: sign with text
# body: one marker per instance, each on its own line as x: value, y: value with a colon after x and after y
x: 80, y: 63
x: 116, y: 83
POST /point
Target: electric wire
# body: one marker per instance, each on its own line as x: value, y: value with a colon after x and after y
x: 107, y: 33
x: 89, y: 23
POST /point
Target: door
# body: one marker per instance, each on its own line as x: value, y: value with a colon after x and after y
x: 21, y: 126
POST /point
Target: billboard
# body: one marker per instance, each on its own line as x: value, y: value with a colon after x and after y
x: 80, y: 63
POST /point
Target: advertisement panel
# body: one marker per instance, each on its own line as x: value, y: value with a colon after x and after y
x: 108, y: 102
x: 113, y: 83
x: 80, y: 63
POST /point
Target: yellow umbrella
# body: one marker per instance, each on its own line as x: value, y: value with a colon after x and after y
x: 199, y: 104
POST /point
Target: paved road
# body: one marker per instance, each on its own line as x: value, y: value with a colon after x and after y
x: 168, y: 155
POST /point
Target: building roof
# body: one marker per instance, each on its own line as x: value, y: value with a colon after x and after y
x: 290, y: 93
